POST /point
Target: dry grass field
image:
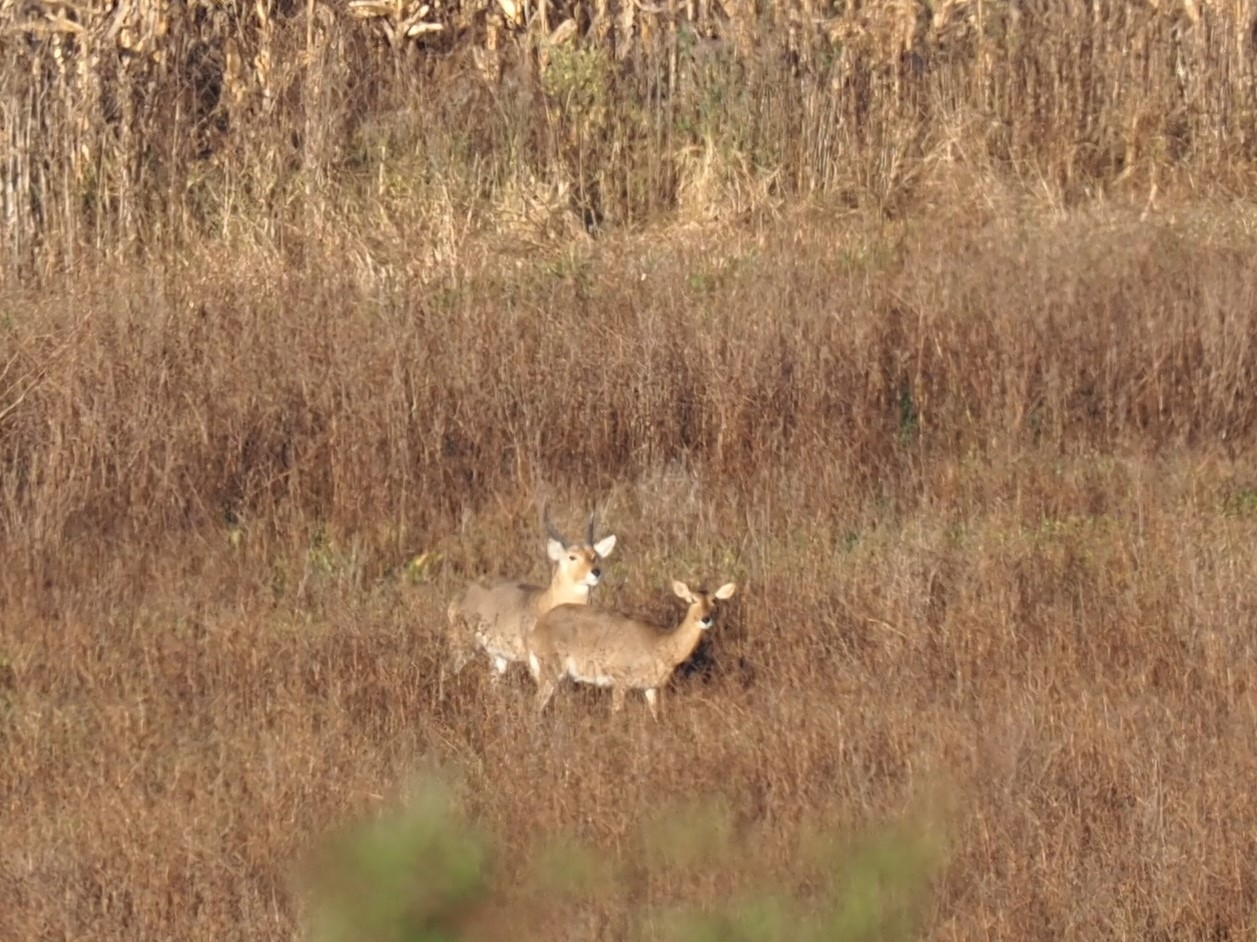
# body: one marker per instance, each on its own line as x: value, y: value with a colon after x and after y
x: 971, y: 424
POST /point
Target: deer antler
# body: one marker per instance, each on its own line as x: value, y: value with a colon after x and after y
x: 551, y: 531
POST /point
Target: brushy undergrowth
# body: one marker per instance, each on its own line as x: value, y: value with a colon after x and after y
x: 421, y: 873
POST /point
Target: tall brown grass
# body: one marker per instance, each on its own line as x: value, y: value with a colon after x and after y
x: 940, y: 340
x: 987, y: 488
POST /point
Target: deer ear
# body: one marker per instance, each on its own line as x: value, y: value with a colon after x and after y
x: 683, y: 592
x: 555, y: 550
x: 604, y: 546
x: 726, y: 591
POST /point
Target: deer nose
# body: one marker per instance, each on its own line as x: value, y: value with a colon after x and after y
x: 596, y: 572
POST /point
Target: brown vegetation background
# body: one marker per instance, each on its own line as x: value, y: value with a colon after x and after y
x: 934, y: 327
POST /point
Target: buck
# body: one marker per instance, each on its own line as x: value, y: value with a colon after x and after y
x: 498, y: 617
x: 607, y: 649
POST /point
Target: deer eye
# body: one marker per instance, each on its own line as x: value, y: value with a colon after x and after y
x: 571, y: 559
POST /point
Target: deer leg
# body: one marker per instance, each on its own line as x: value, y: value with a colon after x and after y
x: 652, y: 701
x: 500, y: 664
x: 451, y: 667
x: 617, y: 699
x: 545, y: 690
x: 458, y: 653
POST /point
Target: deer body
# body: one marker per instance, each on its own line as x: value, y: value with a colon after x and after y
x: 607, y: 649
x: 497, y: 617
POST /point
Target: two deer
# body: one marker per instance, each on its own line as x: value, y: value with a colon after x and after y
x: 558, y: 634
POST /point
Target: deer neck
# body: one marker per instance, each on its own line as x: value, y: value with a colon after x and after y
x: 563, y: 592
x: 684, y: 639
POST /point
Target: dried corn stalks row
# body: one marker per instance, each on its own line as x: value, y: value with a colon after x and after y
x: 400, y: 20
x: 82, y: 82
x: 881, y: 31
x: 149, y: 36
x: 93, y: 92
x: 79, y: 36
